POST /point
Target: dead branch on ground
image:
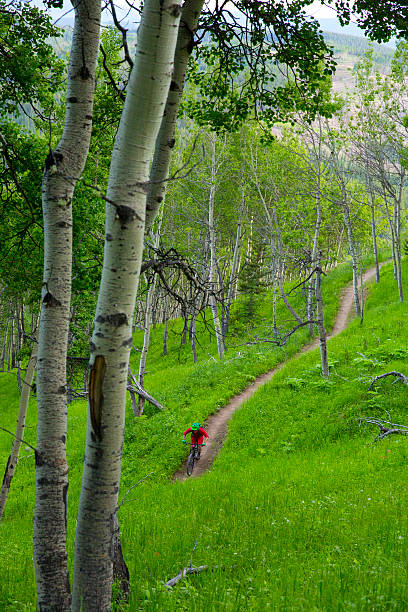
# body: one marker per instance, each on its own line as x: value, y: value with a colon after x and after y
x: 186, y: 570
x: 386, y: 428
x: 403, y: 378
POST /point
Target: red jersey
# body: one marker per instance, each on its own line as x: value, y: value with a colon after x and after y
x: 196, y: 436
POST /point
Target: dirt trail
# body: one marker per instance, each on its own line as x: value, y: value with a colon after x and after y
x: 217, y: 424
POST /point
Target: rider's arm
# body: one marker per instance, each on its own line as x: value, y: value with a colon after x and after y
x: 186, y: 432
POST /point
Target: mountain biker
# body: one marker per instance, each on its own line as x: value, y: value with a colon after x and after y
x: 197, y: 436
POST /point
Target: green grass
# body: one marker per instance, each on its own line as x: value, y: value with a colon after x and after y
x: 301, y: 511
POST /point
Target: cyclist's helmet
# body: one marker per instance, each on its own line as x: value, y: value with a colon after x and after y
x: 196, y: 426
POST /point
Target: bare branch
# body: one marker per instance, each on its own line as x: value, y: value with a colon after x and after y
x: 403, y: 378
x: 19, y: 439
x: 386, y: 428
x: 122, y: 501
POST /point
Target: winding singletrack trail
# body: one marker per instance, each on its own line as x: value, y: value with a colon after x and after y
x: 217, y: 424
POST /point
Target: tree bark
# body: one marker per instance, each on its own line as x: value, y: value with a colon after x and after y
x: 212, y: 271
x: 320, y: 321
x: 373, y: 229
x: 62, y: 169
x: 352, y: 245
x: 318, y: 223
x: 165, y: 140
x: 148, y: 322
x: 112, y: 338
x: 233, y: 277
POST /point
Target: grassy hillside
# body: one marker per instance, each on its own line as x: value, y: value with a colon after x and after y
x: 300, y: 511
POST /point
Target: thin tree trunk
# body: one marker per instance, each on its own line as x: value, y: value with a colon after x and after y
x: 320, y: 320
x: 374, y: 232
x: 397, y: 225
x: 352, y: 246
x: 147, y: 91
x: 212, y: 271
x: 165, y: 332
x: 148, y: 320
x: 193, y: 337
x: 315, y: 248
x: 20, y: 427
x: 62, y: 168
x: 233, y: 277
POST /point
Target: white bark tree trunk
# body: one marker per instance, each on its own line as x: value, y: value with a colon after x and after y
x: 165, y: 140
x: 315, y: 248
x: 112, y: 338
x: 352, y: 246
x: 233, y: 277
x: 148, y: 323
x: 212, y: 270
x: 320, y: 320
x: 62, y: 169
x: 373, y: 228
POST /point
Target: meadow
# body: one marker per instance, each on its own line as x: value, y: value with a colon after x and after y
x: 301, y: 510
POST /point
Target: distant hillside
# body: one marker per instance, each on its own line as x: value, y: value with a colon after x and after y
x: 348, y: 50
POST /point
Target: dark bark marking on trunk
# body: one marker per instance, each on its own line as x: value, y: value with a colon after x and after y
x: 39, y: 461
x: 128, y: 342
x: 84, y: 73
x: 62, y: 390
x: 108, y: 237
x: 126, y: 214
x: 171, y: 143
x: 117, y: 320
x: 50, y: 301
x: 7, y: 477
x: 96, y: 378
x: 175, y: 10
x: 64, y: 499
x: 53, y: 159
x: 72, y: 99
x: 174, y: 86
x: 120, y: 569
x: 63, y: 224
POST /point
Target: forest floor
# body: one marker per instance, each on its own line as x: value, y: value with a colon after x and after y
x: 217, y: 424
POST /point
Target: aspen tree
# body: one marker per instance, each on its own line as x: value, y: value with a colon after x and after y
x: 63, y: 167
x: 146, y: 96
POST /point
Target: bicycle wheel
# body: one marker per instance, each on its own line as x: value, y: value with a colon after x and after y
x: 190, y: 463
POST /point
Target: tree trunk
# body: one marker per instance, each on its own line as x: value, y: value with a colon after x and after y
x: 193, y: 337
x: 233, y: 277
x: 112, y: 338
x: 212, y: 271
x: 374, y: 232
x: 62, y: 168
x: 320, y: 321
x: 21, y: 418
x: 148, y: 320
x: 352, y: 246
x: 165, y: 141
x: 165, y: 332
x: 315, y: 248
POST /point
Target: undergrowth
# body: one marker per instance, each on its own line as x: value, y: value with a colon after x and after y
x: 301, y: 511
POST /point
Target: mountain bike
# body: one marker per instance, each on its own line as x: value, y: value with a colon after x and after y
x: 193, y: 457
